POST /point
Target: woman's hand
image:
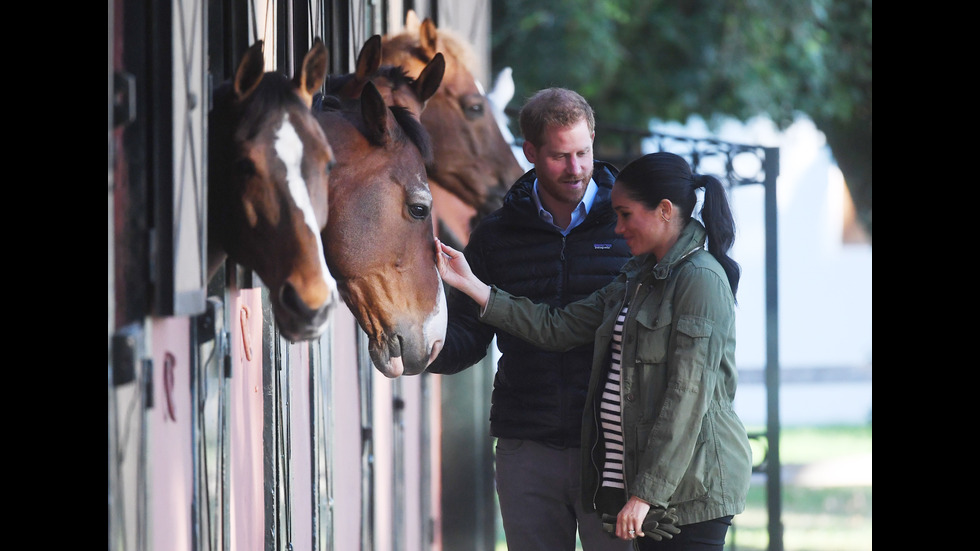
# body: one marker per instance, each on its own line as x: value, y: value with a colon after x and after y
x: 631, y: 517
x: 455, y: 270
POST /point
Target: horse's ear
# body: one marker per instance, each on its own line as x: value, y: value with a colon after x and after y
x: 314, y: 70
x: 250, y: 71
x: 369, y: 59
x: 430, y: 78
x: 412, y: 21
x: 429, y: 37
x: 368, y: 62
x: 375, y: 114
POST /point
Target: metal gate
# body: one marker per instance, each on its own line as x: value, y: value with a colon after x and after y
x: 221, y: 434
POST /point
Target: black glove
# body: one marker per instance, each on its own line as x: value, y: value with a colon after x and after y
x: 609, y: 523
x: 660, y: 524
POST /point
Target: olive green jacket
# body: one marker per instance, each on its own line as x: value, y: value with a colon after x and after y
x: 685, y: 445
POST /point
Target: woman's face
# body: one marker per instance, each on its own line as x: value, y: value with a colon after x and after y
x: 640, y: 226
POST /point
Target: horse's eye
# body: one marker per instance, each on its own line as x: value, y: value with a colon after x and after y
x: 472, y: 106
x: 418, y: 212
x: 474, y: 111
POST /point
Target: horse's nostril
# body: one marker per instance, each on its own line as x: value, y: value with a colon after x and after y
x: 396, y: 347
x: 292, y: 301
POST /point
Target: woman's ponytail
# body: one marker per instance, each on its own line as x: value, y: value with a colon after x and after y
x: 719, y: 224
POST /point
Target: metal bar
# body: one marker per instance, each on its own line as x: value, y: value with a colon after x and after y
x: 399, y: 499
x: 270, y: 437
x: 367, y: 442
x: 774, y: 471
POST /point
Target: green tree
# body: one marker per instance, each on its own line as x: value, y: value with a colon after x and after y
x: 637, y: 60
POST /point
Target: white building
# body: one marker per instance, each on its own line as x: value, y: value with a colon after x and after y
x: 824, y: 283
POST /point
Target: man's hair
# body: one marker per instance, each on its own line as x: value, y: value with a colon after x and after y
x: 553, y: 107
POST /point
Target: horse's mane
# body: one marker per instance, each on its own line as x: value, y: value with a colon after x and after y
x: 455, y: 45
x: 330, y: 102
x: 410, y: 126
x: 273, y: 91
x: 458, y: 47
x: 415, y: 132
x: 394, y: 73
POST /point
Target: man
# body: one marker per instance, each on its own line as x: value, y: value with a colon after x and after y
x: 552, y: 241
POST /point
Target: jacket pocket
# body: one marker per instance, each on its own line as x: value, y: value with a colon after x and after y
x: 640, y: 436
x: 652, y: 337
x: 691, y: 351
x: 650, y: 373
x: 693, y: 485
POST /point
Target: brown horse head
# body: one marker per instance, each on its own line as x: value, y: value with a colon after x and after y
x: 472, y: 160
x: 267, y: 181
x: 392, y: 81
x: 378, y: 238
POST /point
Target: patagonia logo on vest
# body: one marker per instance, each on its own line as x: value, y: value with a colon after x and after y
x: 602, y: 246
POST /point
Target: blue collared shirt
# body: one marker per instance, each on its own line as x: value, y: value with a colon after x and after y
x: 580, y: 212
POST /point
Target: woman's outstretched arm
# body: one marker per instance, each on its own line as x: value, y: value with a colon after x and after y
x: 455, y: 271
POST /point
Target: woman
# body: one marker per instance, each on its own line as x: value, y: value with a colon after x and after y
x: 660, y: 435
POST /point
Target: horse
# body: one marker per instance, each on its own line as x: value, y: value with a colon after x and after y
x: 268, y: 164
x: 378, y: 239
x: 473, y: 163
x: 396, y: 87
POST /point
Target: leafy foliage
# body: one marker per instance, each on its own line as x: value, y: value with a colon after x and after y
x: 637, y: 60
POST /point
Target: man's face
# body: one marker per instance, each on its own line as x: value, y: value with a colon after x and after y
x: 563, y: 163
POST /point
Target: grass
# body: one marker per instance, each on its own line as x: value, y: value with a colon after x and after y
x: 807, y: 444
x: 813, y: 518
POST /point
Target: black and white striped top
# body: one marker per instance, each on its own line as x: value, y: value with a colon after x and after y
x: 610, y: 412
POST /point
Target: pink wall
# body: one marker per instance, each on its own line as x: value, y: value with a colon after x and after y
x: 247, y: 504
x: 169, y: 436
x: 300, y: 457
x: 346, y: 460
x: 170, y: 443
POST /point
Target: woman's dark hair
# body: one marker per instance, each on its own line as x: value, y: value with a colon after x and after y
x: 658, y: 176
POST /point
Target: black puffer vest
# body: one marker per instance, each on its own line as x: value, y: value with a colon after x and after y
x: 537, y: 395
